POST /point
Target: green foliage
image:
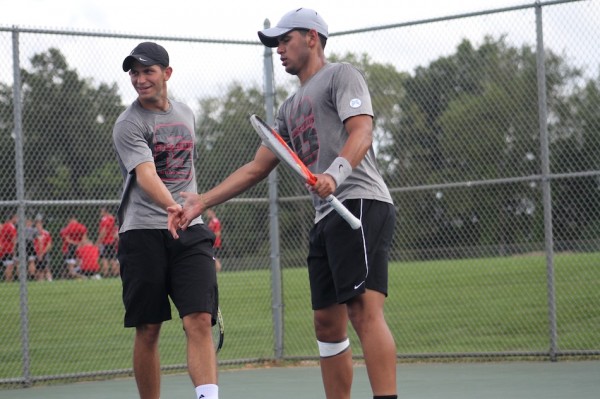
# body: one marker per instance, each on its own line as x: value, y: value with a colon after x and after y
x: 576, y: 141
x: 226, y: 138
x: 471, y: 116
x: 67, y: 128
x: 104, y: 182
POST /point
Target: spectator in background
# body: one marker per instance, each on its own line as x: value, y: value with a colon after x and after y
x: 8, y: 241
x: 88, y: 259
x: 30, y: 234
x: 71, y: 235
x: 214, y: 224
x: 42, y: 245
x: 108, y: 234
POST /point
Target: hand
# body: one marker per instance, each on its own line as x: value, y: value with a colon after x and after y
x: 180, y: 217
x: 324, y: 186
x: 174, y: 215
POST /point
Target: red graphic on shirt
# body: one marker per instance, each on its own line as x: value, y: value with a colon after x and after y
x: 303, y: 133
x: 172, y: 149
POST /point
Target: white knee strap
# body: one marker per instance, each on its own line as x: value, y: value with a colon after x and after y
x: 329, y: 349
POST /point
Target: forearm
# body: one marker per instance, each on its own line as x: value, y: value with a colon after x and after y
x: 239, y: 181
x: 148, y: 180
x: 236, y: 183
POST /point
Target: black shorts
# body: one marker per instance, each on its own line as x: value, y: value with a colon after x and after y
x: 8, y: 260
x: 109, y: 251
x: 154, y: 267
x: 70, y: 254
x: 42, y: 264
x: 30, y: 250
x: 342, y: 262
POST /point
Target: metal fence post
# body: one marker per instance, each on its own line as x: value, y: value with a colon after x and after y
x: 20, y: 177
x: 546, y: 188
x: 276, y: 277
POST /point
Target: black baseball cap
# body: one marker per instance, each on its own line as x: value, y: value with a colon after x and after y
x: 147, y: 53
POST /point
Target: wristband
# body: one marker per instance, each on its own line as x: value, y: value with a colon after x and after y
x: 339, y: 169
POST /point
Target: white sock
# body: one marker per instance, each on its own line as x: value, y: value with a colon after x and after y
x: 207, y: 391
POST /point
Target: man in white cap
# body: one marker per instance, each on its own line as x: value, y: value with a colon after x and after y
x: 328, y: 122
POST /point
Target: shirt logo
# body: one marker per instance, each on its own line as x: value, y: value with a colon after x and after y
x: 355, y: 103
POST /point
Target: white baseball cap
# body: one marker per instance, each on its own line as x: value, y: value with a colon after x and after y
x: 302, y: 18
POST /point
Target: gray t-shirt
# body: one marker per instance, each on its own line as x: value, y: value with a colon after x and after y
x: 312, y: 122
x: 168, y: 140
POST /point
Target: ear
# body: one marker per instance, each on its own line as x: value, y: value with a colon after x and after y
x: 313, y: 36
x: 168, y: 72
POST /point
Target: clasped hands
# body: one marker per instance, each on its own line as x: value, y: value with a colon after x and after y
x: 179, y: 217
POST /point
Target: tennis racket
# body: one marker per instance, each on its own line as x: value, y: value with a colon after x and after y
x: 218, y: 332
x: 275, y: 142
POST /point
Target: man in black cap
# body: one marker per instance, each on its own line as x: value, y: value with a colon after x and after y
x: 154, y: 142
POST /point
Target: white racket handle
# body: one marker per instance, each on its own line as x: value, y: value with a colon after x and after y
x: 343, y: 212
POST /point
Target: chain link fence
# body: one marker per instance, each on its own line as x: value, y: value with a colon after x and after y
x: 487, y: 133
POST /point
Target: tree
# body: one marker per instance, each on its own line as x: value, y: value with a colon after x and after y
x: 575, y: 147
x: 67, y: 130
x: 473, y: 116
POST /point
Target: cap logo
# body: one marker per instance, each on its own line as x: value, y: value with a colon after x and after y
x: 141, y: 59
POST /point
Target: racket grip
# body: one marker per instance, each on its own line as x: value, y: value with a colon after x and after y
x: 343, y: 212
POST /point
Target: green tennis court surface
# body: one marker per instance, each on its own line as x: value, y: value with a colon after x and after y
x: 514, y: 380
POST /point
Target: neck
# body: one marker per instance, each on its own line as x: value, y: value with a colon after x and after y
x: 311, y: 69
x: 161, y: 104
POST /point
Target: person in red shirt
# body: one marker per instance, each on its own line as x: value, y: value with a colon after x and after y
x: 88, y: 259
x: 72, y: 234
x: 108, y: 234
x: 8, y: 241
x: 42, y: 243
x: 214, y: 224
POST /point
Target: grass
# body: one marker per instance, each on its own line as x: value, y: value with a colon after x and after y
x: 478, y: 305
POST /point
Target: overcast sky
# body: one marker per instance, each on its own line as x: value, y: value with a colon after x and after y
x: 237, y: 19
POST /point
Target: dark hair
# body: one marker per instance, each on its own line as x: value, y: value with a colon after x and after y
x: 304, y: 31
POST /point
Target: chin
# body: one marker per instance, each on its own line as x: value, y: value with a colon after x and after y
x: 147, y: 98
x: 291, y: 71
